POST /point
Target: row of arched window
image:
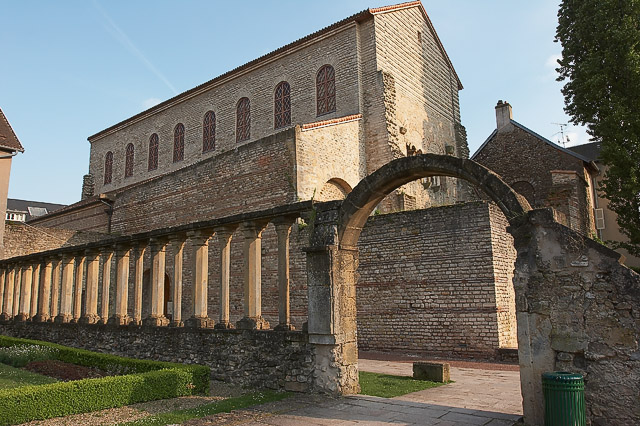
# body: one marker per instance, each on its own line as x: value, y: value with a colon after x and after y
x: 326, y: 103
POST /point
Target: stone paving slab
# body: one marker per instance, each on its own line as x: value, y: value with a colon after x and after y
x: 478, y: 397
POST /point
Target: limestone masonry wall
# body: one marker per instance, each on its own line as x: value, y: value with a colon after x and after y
x: 264, y: 359
x: 428, y: 282
x: 578, y: 311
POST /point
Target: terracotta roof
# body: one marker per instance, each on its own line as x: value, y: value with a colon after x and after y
x: 332, y: 121
x: 358, y: 17
x: 8, y: 139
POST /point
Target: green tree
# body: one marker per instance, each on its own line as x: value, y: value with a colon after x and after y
x: 600, y: 66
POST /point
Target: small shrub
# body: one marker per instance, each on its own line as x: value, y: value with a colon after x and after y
x: 151, y: 380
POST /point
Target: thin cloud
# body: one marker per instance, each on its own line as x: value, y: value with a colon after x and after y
x: 151, y: 102
x: 552, y: 61
x: 123, y: 39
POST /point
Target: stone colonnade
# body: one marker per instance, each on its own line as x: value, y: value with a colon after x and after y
x: 32, y: 287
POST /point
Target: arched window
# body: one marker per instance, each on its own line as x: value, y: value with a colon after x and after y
x: 282, y: 105
x: 209, y: 132
x: 243, y: 120
x: 178, y: 143
x: 153, y: 152
x: 326, y: 89
x: 128, y: 161
x: 108, y: 167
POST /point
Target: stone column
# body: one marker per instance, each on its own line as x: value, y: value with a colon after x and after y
x: 35, y: 291
x: 56, y: 284
x: 177, y: 243
x: 25, y: 293
x: 90, y: 315
x: 224, y: 235
x: 67, y: 289
x: 158, y: 256
x: 283, y: 230
x: 138, y: 256
x: 120, y: 316
x: 77, y: 293
x: 17, y: 282
x: 253, y: 277
x: 7, y: 306
x: 44, y: 313
x: 3, y: 276
x: 107, y: 256
x: 200, y: 246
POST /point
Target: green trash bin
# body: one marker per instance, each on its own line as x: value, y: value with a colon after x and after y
x: 563, y: 399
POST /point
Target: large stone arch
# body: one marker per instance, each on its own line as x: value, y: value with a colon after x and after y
x: 577, y: 307
x: 359, y: 204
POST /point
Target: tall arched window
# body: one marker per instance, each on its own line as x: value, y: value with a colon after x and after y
x: 243, y: 120
x: 209, y: 132
x: 326, y: 89
x: 178, y: 143
x: 108, y: 167
x: 128, y: 161
x: 153, y: 152
x: 282, y: 105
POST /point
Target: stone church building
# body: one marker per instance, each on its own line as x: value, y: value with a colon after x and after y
x: 309, y: 121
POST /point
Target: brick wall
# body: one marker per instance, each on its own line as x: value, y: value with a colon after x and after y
x: 436, y: 281
x: 525, y: 161
x: 298, y: 67
x: 21, y: 239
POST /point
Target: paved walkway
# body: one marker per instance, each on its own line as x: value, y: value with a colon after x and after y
x: 478, y: 397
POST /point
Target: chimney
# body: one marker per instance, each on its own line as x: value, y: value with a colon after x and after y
x: 503, y: 114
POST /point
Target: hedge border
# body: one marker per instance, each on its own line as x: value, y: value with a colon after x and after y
x: 150, y: 380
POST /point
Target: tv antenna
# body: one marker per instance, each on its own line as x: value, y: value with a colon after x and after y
x: 563, y: 139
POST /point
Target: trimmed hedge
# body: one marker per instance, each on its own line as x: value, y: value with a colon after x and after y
x: 150, y: 380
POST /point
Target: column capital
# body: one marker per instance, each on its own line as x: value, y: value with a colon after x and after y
x: 140, y: 244
x: 254, y: 228
x: 158, y: 243
x: 284, y: 221
x: 198, y: 235
x: 122, y: 249
x: 178, y: 237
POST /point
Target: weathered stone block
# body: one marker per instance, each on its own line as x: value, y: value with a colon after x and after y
x: 434, y: 371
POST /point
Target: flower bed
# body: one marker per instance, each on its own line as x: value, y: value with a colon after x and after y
x: 139, y: 381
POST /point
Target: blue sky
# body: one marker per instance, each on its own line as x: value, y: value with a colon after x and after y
x: 72, y: 68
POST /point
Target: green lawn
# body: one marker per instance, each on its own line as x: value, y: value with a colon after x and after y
x: 387, y: 386
x: 14, y: 377
x: 224, y: 406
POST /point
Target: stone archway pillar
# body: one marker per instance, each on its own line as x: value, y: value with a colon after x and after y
x: 331, y: 290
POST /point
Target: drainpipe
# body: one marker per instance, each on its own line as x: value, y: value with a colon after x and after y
x: 109, y: 210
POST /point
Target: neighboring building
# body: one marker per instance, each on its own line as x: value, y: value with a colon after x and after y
x: 546, y: 174
x: 606, y: 220
x: 23, y: 210
x: 9, y: 147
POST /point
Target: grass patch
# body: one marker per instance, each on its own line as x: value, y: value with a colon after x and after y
x: 386, y: 386
x: 224, y: 406
x: 11, y: 377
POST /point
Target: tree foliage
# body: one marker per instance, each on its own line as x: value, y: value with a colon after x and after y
x: 600, y: 66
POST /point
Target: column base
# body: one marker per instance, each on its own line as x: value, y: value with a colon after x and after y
x: 5, y: 317
x: 161, y: 321
x: 226, y: 325
x: 119, y: 320
x: 248, y: 323
x: 39, y: 318
x: 136, y: 321
x: 284, y: 327
x: 63, y: 318
x: 22, y: 317
x: 75, y: 320
x: 176, y: 323
x: 200, y: 322
x: 89, y: 319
